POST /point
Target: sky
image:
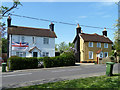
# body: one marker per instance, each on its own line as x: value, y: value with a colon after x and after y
x: 98, y: 14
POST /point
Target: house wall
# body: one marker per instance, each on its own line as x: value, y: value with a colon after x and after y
x: 82, y: 49
x: 95, y: 49
x: 38, y: 43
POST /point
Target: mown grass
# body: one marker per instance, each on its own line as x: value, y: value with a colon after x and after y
x: 90, y: 82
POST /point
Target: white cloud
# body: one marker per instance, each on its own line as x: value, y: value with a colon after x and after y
x: 82, y: 16
x: 107, y: 3
x: 106, y: 16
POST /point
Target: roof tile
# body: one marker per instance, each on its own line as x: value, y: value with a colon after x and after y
x: 19, y: 30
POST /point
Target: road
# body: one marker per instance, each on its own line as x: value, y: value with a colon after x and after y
x: 37, y: 76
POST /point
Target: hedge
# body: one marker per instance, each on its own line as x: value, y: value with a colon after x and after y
x: 66, y: 59
x: 18, y: 63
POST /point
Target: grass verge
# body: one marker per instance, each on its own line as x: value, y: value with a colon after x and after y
x: 90, y: 82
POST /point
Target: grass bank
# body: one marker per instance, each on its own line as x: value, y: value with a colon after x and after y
x: 90, y: 82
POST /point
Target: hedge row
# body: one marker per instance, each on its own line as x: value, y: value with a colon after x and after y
x: 18, y: 63
x: 66, y: 59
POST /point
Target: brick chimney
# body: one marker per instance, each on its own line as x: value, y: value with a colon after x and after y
x: 51, y: 26
x: 77, y: 54
x: 9, y: 21
x: 78, y: 29
x: 104, y: 32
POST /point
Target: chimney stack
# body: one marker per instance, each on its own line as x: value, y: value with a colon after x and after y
x: 51, y: 26
x: 78, y: 29
x: 105, y: 32
x: 9, y: 21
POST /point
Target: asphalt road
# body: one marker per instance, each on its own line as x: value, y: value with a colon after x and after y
x: 37, y: 76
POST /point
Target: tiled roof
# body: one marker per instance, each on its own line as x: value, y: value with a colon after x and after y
x: 94, y: 38
x: 29, y: 31
x: 99, y: 51
x: 33, y: 49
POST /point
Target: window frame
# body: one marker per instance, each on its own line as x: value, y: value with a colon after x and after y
x: 45, y: 54
x: 98, y: 44
x: 107, y: 54
x: 104, y: 45
x: 20, y: 54
x: 33, y: 40
x: 22, y: 39
x: 45, y: 40
x: 91, y: 45
x: 92, y: 54
x: 100, y: 54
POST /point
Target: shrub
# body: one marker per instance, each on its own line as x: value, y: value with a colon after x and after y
x: 66, y: 59
x: 89, y: 61
x: 18, y: 63
x: 84, y: 61
x: 40, y: 59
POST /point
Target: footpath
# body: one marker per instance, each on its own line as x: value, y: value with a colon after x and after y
x: 76, y: 64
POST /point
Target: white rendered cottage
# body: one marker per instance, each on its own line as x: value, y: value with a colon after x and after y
x: 30, y: 42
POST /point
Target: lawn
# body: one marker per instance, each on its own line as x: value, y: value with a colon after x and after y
x: 90, y: 82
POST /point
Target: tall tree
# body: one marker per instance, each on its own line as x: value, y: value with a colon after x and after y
x: 62, y: 47
x: 4, y: 45
x: 6, y: 11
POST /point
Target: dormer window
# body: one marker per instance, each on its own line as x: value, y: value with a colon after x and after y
x: 105, y: 45
x: 90, y: 44
x: 98, y: 45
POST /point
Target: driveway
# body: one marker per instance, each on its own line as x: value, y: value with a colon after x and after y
x: 45, y: 75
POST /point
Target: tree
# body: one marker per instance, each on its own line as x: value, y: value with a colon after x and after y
x: 5, y: 11
x: 4, y: 45
x: 62, y: 47
x: 56, y: 47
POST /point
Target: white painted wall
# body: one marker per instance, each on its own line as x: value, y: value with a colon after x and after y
x: 39, y: 44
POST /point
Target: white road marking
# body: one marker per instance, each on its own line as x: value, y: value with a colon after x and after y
x: 67, y: 70
x: 15, y: 75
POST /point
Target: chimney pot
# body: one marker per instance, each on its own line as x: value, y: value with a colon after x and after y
x: 105, y: 32
x: 51, y: 26
x: 78, y: 29
x: 9, y: 21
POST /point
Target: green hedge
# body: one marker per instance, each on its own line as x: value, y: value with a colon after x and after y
x: 66, y: 59
x: 18, y: 63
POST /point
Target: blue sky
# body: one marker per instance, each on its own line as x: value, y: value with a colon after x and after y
x: 99, y: 14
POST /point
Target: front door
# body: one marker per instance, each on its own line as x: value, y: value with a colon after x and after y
x: 35, y: 54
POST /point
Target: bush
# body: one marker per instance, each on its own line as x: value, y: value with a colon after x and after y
x: 89, y: 62
x: 66, y: 59
x: 84, y: 61
x: 40, y: 59
x: 18, y: 63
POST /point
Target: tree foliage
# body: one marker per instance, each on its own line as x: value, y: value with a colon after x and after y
x: 62, y: 47
x: 6, y: 11
x: 4, y: 45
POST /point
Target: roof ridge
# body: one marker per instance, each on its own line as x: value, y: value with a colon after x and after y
x: 30, y: 27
